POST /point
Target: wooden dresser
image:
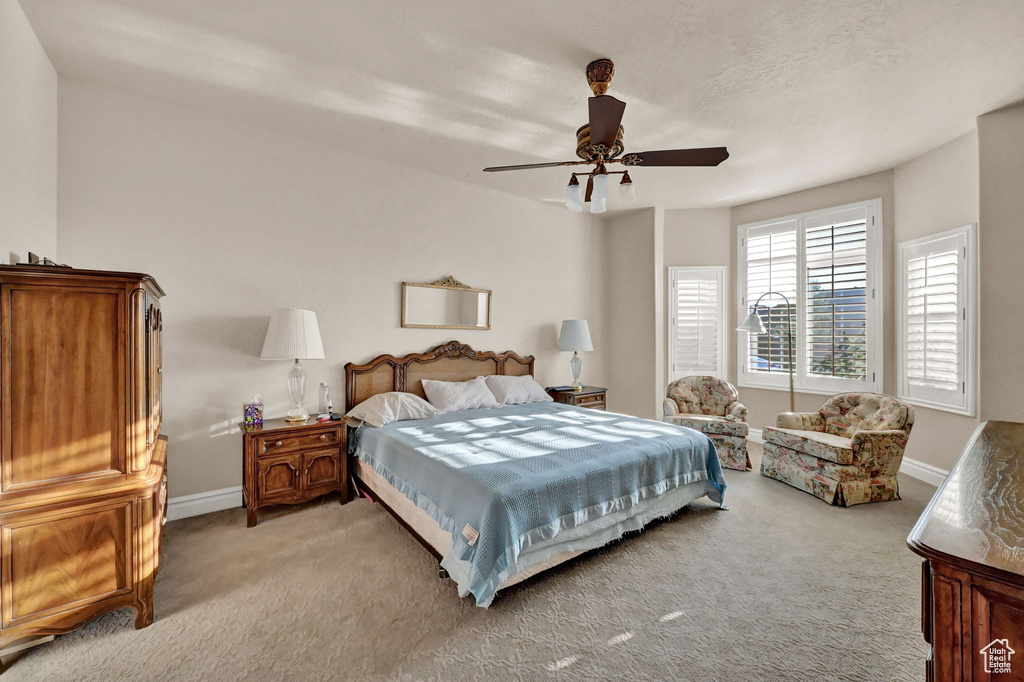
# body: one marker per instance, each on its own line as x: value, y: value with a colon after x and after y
x: 289, y: 463
x: 972, y: 539
x: 591, y: 396
x: 82, y: 463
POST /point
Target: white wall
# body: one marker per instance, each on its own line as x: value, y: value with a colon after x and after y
x: 28, y: 141
x: 234, y: 221
x: 698, y: 237
x: 935, y: 192
x: 634, y: 287
x: 1001, y: 237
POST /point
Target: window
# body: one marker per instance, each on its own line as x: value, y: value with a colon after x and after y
x: 937, y: 320
x: 823, y: 271
x: 696, y: 343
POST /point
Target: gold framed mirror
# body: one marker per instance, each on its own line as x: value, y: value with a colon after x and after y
x: 445, y: 304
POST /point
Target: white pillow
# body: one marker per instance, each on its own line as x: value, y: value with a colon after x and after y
x: 510, y: 390
x: 450, y: 396
x: 384, y: 408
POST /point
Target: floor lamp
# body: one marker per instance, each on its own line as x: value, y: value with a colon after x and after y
x: 755, y: 325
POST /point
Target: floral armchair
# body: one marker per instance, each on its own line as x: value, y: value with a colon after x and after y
x: 712, y: 407
x: 846, y: 453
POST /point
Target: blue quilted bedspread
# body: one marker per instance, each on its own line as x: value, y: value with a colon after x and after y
x: 500, y: 480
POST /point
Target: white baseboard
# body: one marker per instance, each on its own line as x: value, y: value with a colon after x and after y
x: 203, y: 503
x: 925, y: 472
x: 755, y: 436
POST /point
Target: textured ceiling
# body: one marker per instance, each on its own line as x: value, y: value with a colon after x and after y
x: 803, y: 92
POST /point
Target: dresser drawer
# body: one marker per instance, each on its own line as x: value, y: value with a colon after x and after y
x: 269, y: 445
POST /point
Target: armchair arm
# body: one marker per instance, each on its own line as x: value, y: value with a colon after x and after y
x: 670, y: 408
x: 880, y: 452
x: 801, y: 421
x: 736, y: 412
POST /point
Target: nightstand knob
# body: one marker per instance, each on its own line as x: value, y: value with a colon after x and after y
x: 278, y: 444
x: 323, y: 437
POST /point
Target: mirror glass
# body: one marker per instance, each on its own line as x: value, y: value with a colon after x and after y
x: 442, y: 306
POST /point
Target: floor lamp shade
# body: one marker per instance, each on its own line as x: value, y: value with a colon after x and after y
x: 752, y: 324
x: 293, y: 334
x: 575, y: 336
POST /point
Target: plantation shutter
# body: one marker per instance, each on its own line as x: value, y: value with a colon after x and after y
x: 697, y: 322
x: 836, y: 277
x: 934, y: 318
x: 771, y: 266
x: 827, y: 263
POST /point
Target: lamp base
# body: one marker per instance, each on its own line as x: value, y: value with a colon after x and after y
x: 297, y: 388
x: 296, y: 414
x: 575, y: 364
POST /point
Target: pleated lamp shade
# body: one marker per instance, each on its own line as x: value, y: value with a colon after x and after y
x: 293, y: 334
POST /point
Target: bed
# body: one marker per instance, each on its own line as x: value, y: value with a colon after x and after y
x: 498, y: 495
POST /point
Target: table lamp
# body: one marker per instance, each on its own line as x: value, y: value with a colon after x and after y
x: 575, y: 336
x: 293, y: 334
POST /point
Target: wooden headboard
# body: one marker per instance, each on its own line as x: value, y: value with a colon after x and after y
x: 452, y: 361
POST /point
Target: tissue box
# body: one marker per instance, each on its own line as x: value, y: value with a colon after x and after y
x: 253, y: 413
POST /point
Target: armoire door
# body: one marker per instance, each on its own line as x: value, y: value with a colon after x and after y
x: 63, y: 401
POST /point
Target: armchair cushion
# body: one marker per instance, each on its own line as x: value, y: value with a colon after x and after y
x: 847, y: 413
x: 711, y: 425
x: 814, y: 443
x: 706, y: 395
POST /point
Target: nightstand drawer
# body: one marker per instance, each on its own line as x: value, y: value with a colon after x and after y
x: 269, y: 445
x: 595, y: 401
x: 592, y: 397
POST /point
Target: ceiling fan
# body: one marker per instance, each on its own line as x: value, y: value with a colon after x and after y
x: 599, y: 142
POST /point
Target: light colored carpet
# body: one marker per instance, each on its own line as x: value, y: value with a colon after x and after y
x: 781, y: 587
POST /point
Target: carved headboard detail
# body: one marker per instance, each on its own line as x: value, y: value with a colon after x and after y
x: 452, y: 361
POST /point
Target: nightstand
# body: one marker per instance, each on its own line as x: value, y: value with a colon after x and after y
x: 287, y: 463
x: 591, y: 396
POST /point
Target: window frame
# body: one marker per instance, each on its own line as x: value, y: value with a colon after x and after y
x: 969, y: 304
x: 722, y: 272
x: 803, y: 381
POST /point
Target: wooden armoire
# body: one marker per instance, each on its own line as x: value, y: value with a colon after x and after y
x: 82, y: 462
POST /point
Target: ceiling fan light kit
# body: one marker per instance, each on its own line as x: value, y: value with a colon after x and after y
x: 574, y: 199
x: 627, y: 193
x: 600, y: 141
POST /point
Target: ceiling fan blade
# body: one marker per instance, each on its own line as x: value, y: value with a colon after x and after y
x: 605, y: 117
x: 705, y: 156
x: 590, y: 188
x: 552, y: 164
